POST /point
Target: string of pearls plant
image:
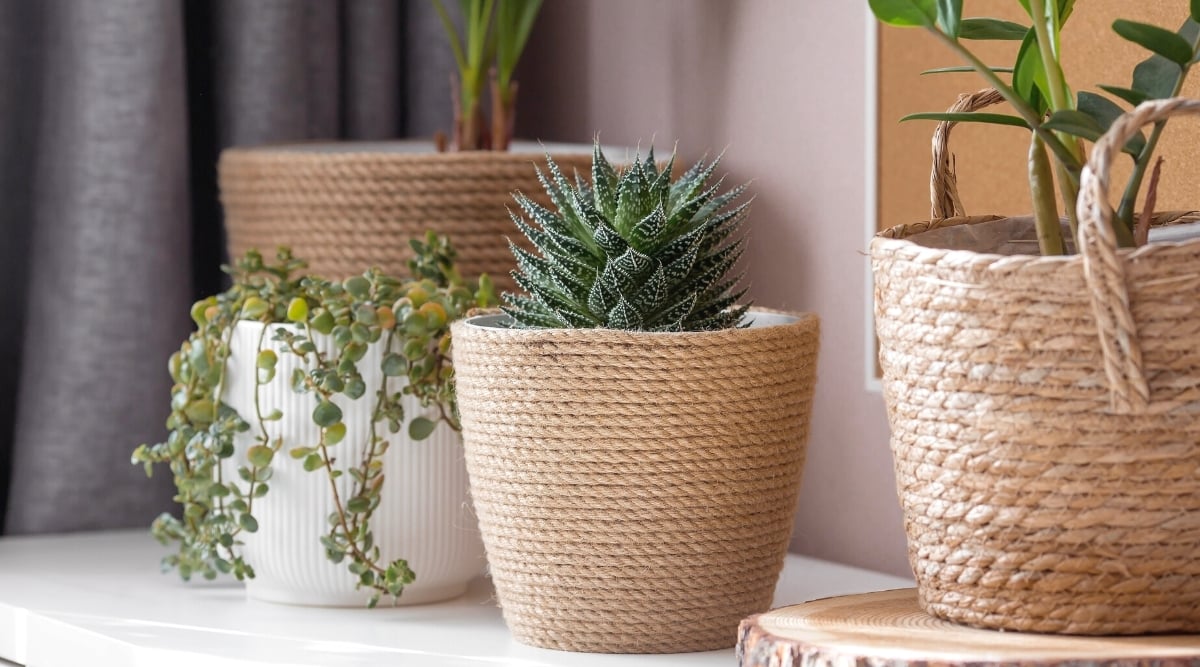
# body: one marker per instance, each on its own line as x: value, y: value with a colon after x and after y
x: 411, y: 318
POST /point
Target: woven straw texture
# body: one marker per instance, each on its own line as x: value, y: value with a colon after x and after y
x: 635, y: 491
x: 347, y: 211
x: 1045, y: 417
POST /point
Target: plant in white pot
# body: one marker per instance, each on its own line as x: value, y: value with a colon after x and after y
x: 634, y: 437
x: 294, y: 400
x: 1043, y: 407
x: 345, y: 205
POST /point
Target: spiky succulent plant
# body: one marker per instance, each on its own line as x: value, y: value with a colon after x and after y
x: 630, y: 251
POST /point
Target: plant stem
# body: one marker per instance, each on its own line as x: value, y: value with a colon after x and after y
x: 1045, y: 207
x: 1026, y: 112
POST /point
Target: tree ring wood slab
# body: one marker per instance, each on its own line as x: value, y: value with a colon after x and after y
x: 889, y: 629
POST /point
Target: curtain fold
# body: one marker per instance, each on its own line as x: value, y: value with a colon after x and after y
x: 116, y: 112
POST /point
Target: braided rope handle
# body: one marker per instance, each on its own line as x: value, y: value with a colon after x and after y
x: 943, y: 184
x: 1103, y: 268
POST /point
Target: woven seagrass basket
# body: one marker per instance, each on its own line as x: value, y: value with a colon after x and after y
x: 1045, y: 414
x: 348, y: 206
x: 635, y: 491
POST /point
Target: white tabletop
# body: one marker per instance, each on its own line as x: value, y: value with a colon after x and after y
x: 98, y: 599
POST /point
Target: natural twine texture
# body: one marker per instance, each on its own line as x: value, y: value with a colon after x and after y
x: 347, y: 211
x: 635, y: 491
x: 1045, y: 416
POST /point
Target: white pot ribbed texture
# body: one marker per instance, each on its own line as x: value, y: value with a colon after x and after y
x: 424, y: 515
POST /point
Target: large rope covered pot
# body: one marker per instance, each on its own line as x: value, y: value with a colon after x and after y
x: 1045, y: 415
x: 635, y: 491
x: 348, y: 206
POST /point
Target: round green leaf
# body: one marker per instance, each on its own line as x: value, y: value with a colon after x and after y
x: 335, y: 433
x: 358, y: 287
x: 326, y: 414
x: 420, y: 428
x: 358, y: 505
x: 248, y: 523
x: 260, y: 456
x: 297, y: 310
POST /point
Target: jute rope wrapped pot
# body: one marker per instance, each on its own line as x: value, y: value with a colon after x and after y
x: 348, y: 206
x: 1045, y: 416
x: 635, y: 491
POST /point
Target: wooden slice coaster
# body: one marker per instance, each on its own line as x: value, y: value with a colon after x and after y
x: 888, y: 629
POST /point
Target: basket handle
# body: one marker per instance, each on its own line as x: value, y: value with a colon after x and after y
x: 1103, y: 268
x: 943, y: 184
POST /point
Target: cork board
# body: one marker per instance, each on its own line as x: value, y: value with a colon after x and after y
x: 991, y: 159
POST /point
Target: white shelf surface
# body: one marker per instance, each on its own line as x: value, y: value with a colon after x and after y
x: 98, y: 599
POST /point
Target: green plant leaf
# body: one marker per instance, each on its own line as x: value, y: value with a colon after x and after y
x: 1029, y: 75
x: 248, y: 523
x: 312, y: 462
x: 326, y: 414
x: 1158, y: 40
x: 335, y: 433
x: 992, y: 29
x: 1075, y: 123
x: 1195, y: 10
x: 260, y: 455
x: 300, y: 452
x: 420, y: 428
x: 965, y: 68
x: 969, y: 117
x: 358, y: 505
x: 394, y: 365
x: 1130, y: 95
x: 1104, y: 111
x: 905, y: 13
x: 949, y: 15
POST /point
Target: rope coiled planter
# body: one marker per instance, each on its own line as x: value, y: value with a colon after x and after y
x: 635, y: 491
x: 349, y: 206
x: 1045, y: 415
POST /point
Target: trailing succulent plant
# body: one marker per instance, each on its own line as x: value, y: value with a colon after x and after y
x: 631, y: 250
x: 411, y: 318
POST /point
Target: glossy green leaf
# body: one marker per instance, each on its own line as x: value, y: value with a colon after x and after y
x: 1029, y: 76
x: 1104, y: 111
x: 965, y: 68
x: 969, y: 117
x: 420, y: 428
x: 992, y: 29
x: 905, y: 13
x: 1195, y: 9
x: 1159, y: 78
x: 1131, y: 96
x: 1158, y: 40
x: 949, y: 16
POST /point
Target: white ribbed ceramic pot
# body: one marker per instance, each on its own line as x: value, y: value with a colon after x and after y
x: 424, y: 514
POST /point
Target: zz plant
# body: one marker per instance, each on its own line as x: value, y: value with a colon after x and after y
x: 632, y: 250
x: 1037, y: 90
x: 493, y: 37
x: 410, y: 318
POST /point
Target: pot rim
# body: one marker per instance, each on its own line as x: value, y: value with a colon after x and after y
x: 421, y: 149
x: 760, y: 319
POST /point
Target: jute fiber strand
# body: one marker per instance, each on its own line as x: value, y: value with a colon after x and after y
x: 348, y: 210
x: 635, y: 491
x: 1045, y: 416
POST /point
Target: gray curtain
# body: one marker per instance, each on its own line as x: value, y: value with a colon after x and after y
x: 114, y: 113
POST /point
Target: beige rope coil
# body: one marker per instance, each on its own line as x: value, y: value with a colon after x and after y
x: 347, y: 210
x: 1045, y: 416
x: 635, y: 491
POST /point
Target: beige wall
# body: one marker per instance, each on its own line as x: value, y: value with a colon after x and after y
x: 781, y: 85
